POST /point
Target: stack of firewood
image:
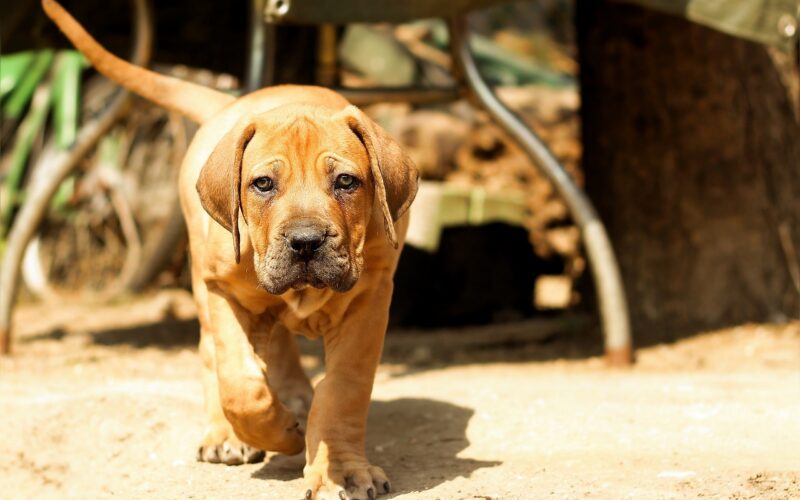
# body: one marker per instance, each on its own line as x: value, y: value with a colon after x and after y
x: 461, y: 146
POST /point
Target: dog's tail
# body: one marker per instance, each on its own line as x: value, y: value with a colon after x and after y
x: 196, y: 102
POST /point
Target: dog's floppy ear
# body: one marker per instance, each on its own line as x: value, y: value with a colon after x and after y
x: 394, y: 173
x: 220, y: 181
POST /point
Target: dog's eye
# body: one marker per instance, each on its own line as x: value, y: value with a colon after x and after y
x: 346, y: 182
x: 263, y: 184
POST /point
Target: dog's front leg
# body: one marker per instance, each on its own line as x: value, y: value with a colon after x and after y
x: 251, y: 406
x: 336, y: 463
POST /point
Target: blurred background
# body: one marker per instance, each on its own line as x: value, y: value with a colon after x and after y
x: 691, y: 161
x: 680, y: 120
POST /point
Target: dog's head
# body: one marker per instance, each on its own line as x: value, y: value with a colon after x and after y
x: 307, y: 181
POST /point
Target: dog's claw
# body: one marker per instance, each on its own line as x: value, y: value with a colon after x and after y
x: 308, y: 494
x: 359, y: 481
x: 387, y: 487
x: 229, y: 453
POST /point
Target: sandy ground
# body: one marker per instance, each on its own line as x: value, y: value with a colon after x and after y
x: 106, y: 402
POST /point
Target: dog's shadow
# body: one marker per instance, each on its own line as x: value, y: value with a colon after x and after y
x: 416, y: 441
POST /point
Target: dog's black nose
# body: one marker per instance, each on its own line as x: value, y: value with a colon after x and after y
x: 305, y: 240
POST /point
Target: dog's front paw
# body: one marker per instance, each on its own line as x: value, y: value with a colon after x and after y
x: 347, y: 480
x: 220, y: 445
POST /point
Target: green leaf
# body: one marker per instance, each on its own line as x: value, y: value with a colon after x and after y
x: 66, y: 98
x: 24, y: 89
x: 12, y: 69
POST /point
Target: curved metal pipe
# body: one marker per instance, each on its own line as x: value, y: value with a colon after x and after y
x: 605, y: 270
x: 49, y: 175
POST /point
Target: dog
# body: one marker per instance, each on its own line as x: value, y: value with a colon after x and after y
x: 296, y: 205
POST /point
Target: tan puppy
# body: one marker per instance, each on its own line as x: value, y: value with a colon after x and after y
x: 295, y: 203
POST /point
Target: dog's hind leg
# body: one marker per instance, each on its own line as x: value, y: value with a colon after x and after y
x: 285, y: 373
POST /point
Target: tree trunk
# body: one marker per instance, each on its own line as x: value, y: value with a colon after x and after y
x: 692, y: 155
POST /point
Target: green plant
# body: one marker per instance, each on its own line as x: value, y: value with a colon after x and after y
x: 32, y: 84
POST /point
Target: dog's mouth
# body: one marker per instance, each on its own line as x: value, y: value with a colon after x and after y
x: 307, y: 278
x: 299, y: 275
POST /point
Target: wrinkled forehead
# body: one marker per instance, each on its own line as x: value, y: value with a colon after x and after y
x: 301, y: 135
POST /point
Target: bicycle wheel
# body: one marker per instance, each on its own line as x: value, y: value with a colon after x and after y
x: 121, y: 221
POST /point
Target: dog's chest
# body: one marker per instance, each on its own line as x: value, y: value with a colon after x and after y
x: 303, y: 303
x: 311, y: 312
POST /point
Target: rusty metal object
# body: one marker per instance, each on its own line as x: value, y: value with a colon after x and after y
x: 619, y: 358
x: 327, y: 64
x: 416, y: 95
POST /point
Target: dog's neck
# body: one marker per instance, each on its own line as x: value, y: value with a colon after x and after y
x: 303, y: 303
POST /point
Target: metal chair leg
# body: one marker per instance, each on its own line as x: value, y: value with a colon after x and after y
x: 605, y: 270
x: 260, y: 70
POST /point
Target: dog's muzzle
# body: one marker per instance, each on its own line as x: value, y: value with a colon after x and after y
x: 308, y: 252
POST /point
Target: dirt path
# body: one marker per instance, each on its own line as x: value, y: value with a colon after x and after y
x: 107, y: 403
